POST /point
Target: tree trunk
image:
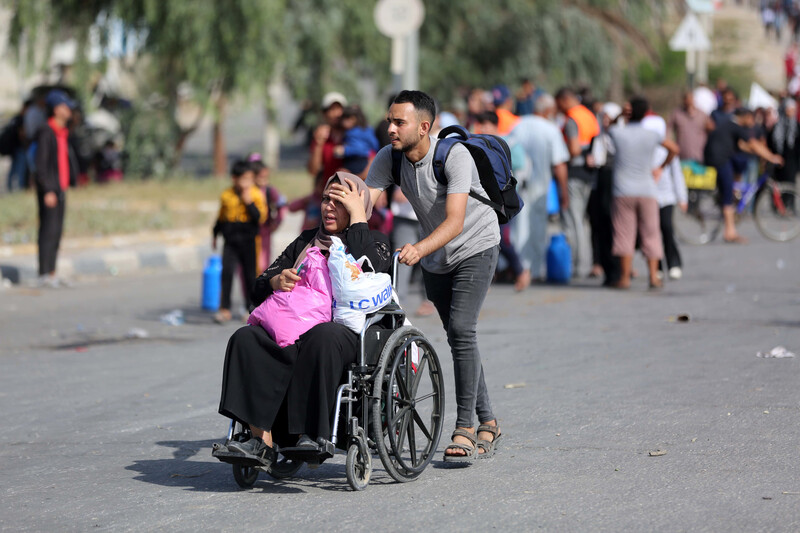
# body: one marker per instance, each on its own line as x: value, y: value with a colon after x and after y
x: 219, y: 150
x: 272, y: 134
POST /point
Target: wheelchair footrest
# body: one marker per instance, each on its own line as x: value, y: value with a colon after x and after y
x: 307, y: 454
x: 226, y: 456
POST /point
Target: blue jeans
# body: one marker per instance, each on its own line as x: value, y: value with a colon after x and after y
x: 458, y: 297
x: 18, y: 173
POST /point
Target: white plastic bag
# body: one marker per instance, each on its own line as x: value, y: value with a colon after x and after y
x: 355, y: 293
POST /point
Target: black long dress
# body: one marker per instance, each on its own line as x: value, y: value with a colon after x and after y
x: 291, y: 390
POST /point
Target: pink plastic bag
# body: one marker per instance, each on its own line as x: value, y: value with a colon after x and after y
x: 287, y: 315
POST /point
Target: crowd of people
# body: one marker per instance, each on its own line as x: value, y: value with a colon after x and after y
x: 617, y: 189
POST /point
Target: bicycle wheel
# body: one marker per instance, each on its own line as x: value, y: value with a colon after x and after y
x: 702, y: 221
x: 776, y: 212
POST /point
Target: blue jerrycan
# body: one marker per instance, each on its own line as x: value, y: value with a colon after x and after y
x: 559, y: 259
x: 553, y: 205
x: 212, y: 283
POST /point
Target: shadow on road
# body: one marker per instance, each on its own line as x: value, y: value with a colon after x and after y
x: 202, y: 476
x: 212, y: 476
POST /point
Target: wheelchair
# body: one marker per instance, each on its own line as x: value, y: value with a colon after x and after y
x: 391, y: 402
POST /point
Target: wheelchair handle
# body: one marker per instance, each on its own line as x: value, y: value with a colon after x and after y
x: 395, y: 263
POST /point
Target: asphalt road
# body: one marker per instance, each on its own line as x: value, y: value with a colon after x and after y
x: 100, y: 431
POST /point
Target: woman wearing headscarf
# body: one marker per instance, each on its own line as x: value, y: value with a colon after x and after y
x: 284, y: 394
x: 784, y: 140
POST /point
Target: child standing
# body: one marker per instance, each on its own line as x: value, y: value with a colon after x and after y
x: 277, y: 207
x: 242, y: 210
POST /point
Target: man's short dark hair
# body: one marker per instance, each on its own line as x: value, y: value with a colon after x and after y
x: 742, y: 112
x: 639, y: 108
x: 422, y: 102
x: 240, y: 167
x: 488, y: 116
x: 564, y: 92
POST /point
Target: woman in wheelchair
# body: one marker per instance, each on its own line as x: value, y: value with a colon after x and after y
x: 287, y: 395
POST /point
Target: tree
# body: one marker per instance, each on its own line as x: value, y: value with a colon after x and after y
x: 217, y: 48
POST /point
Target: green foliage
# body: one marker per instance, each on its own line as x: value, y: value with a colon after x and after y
x: 221, y: 47
x: 671, y: 70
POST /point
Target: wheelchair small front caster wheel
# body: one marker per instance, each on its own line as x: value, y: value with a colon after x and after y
x: 244, y: 475
x: 359, y: 466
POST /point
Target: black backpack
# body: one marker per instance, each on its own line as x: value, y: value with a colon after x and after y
x: 493, y: 160
x: 9, y: 136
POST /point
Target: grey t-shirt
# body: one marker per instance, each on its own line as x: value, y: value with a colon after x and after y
x: 633, y: 164
x: 427, y: 196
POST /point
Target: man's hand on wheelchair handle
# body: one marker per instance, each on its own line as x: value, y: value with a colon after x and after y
x: 409, y: 255
x: 285, y: 281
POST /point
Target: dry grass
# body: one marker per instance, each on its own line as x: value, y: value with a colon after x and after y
x: 132, y: 206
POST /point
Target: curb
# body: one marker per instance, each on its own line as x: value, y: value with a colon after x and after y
x: 175, y: 250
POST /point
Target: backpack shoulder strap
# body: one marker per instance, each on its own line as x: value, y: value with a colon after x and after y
x: 440, y: 155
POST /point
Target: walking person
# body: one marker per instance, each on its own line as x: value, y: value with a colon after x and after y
x: 55, y: 166
x: 458, y: 253
x: 580, y: 128
x: 670, y: 191
x: 544, y: 145
x: 635, y: 204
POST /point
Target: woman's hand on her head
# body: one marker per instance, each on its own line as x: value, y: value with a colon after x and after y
x: 348, y: 195
x: 285, y: 281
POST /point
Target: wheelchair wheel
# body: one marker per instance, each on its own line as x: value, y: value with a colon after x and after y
x: 245, y: 476
x: 358, y: 464
x: 408, y: 404
x: 284, y: 468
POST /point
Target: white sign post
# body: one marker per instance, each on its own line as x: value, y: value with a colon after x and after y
x: 691, y: 38
x: 400, y: 20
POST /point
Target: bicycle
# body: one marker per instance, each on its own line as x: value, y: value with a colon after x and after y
x: 776, y: 208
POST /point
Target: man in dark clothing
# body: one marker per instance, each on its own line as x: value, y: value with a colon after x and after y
x: 55, y: 166
x: 730, y: 137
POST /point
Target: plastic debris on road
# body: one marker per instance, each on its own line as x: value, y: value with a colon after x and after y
x: 137, y: 333
x: 515, y: 386
x: 173, y: 318
x: 657, y: 453
x: 778, y: 352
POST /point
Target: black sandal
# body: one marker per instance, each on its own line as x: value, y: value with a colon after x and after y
x: 488, y: 446
x: 470, y: 452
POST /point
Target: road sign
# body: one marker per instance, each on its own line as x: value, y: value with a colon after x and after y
x: 398, y: 18
x: 690, y: 35
x: 703, y: 6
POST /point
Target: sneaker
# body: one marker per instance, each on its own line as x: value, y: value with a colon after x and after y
x: 252, y: 446
x: 47, y: 282
x: 675, y: 273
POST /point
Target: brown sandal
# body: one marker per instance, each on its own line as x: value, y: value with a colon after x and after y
x: 470, y: 452
x: 488, y: 446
